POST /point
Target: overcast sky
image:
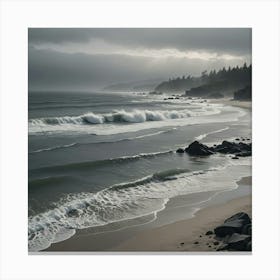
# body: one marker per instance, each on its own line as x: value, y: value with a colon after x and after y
x: 92, y: 58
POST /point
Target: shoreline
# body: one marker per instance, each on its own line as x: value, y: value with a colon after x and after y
x: 182, y: 235
x: 116, y: 237
x: 235, y: 103
x: 152, y: 236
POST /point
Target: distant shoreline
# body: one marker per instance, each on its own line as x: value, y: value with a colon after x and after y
x: 235, y: 103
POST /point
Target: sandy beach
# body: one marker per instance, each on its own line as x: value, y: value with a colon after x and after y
x: 235, y: 103
x: 182, y: 235
x: 178, y: 236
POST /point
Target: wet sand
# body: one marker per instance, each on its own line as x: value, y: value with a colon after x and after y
x: 176, y: 228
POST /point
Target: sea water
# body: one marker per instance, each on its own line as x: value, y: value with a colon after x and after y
x: 99, y: 158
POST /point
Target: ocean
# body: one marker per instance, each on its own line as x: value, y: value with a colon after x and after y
x: 97, y: 159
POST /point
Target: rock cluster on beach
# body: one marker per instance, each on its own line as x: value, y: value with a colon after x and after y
x: 235, y: 233
x: 239, y: 149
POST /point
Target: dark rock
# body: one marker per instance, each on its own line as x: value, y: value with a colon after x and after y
x: 247, y: 229
x: 239, y: 216
x: 180, y: 151
x: 209, y: 246
x: 235, y: 157
x: 249, y: 246
x: 182, y: 243
x: 238, y: 242
x: 216, y: 243
x: 227, y: 148
x: 239, y: 149
x: 209, y: 232
x: 198, y: 149
x: 228, y: 228
x: 196, y: 242
x: 200, y: 235
x: 237, y: 139
x: 244, y: 154
x: 234, y: 224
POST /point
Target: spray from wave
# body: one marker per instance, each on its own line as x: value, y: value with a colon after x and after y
x: 118, y: 116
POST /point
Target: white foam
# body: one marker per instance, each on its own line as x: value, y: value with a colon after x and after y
x: 127, y: 201
x: 202, y: 136
x: 111, y: 123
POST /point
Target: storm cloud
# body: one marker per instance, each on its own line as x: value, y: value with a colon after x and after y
x: 70, y: 58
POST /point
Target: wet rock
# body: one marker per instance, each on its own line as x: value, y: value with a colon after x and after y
x: 244, y: 217
x: 228, y: 228
x: 198, y: 149
x: 247, y: 229
x: 249, y: 246
x: 234, y: 224
x: 238, y: 242
x: 180, y: 151
x: 244, y: 154
x: 228, y: 148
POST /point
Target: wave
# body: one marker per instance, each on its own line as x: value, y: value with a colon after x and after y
x: 118, y: 116
x: 202, y: 136
x: 102, y: 142
x: 90, y: 164
x: 53, y: 148
x: 124, y: 201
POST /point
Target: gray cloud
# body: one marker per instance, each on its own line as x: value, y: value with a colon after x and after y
x: 232, y: 40
x: 68, y: 58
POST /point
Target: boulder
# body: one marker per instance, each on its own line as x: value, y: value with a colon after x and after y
x: 180, y: 151
x: 249, y: 246
x: 227, y: 148
x: 228, y: 228
x: 198, y: 149
x: 244, y: 154
x: 239, y: 149
x: 247, y: 229
x: 238, y: 242
x: 232, y: 225
x: 239, y: 216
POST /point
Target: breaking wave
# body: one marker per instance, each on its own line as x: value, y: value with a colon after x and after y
x: 121, y: 202
x: 118, y: 116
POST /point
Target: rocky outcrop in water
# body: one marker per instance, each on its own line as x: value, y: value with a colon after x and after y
x: 198, y: 149
x: 238, y: 149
